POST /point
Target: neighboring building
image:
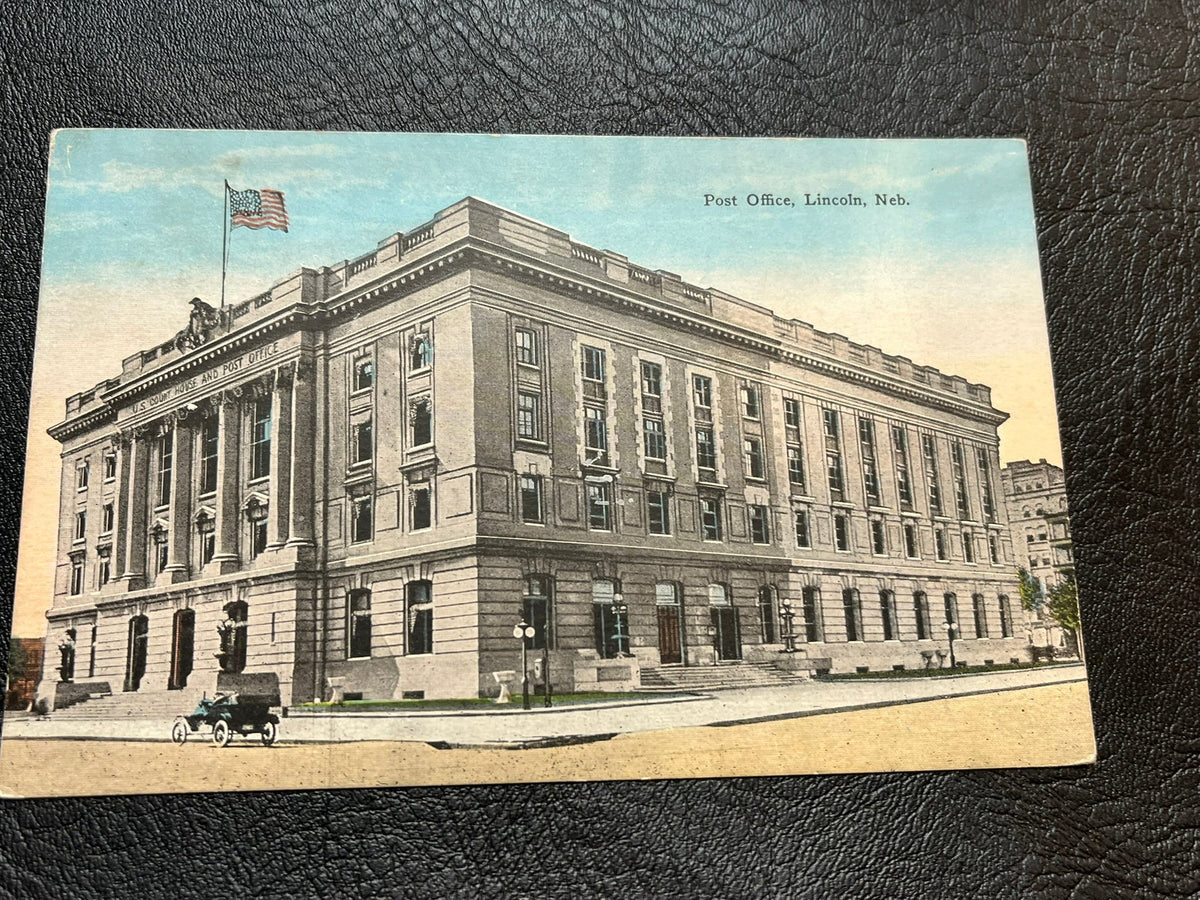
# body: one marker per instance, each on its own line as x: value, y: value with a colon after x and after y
x: 24, y: 671
x: 367, y: 475
x: 1036, y: 496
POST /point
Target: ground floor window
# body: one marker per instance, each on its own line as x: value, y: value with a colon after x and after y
x: 1005, y: 617
x: 951, y: 603
x: 921, y: 614
x: 977, y: 606
x: 766, y: 612
x: 419, y: 617
x: 812, y: 615
x: 610, y: 619
x: 358, y: 624
x: 853, y: 613
x: 887, y: 613
x: 233, y: 634
x: 535, y: 610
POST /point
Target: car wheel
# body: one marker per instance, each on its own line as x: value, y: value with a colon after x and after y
x: 179, y: 733
x: 222, y: 735
x: 269, y: 732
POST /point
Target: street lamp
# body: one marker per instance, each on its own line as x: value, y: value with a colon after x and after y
x: 950, y: 629
x: 619, y: 610
x: 788, y: 615
x: 523, y: 632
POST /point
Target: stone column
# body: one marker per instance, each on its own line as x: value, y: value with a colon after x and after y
x: 281, y: 458
x: 181, y: 499
x: 300, y: 524
x: 138, y: 474
x: 121, y: 503
x: 228, y: 483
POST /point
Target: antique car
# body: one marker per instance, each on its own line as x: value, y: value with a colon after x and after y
x: 242, y: 705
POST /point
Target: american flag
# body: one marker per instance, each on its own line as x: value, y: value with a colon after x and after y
x: 257, y: 209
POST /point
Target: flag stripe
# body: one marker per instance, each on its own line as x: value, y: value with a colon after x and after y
x: 258, y: 209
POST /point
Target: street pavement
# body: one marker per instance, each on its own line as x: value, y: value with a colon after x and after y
x: 512, y: 726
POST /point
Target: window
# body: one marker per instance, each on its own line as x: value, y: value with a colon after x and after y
x: 364, y: 442
x: 364, y: 373
x: 421, y: 505
x: 421, y: 353
x: 791, y: 412
x: 81, y: 476
x: 209, y: 448
x: 866, y: 440
x: 959, y: 470
x: 162, y: 550
x: 655, y: 437
x: 526, y: 344
x: 103, y: 571
x: 529, y: 416
x: 420, y: 416
x: 234, y: 637
x: 593, y: 364
x: 939, y: 543
x: 950, y: 602
x: 418, y: 597
x: 702, y: 391
x: 706, y: 454
x: 358, y: 624
x: 595, y: 435
x: 76, y: 575
x: 833, y: 455
x: 531, y: 499
x: 257, y: 514
x: 910, y: 541
x: 599, y: 506
x: 841, y: 533
x: 260, y: 439
x: 852, y: 611
x: 750, y: 402
x: 166, y: 458
x: 994, y: 549
x: 887, y: 614
x: 803, y: 536
x: 929, y: 449
x: 107, y: 518
x: 754, y: 458
x: 710, y: 518
x: 362, y: 518
x: 795, y: 462
x: 812, y: 620
x: 900, y: 459
x: 659, y: 504
x: 80, y: 526
x: 535, y: 609
x: 766, y: 613
x: 206, y: 527
x: 968, y: 540
x: 651, y: 387
x: 110, y: 466
x: 760, y: 528
x: 985, y: 480
x: 610, y: 620
x: 1005, y: 618
x: 921, y: 615
x: 878, y: 538
x: 977, y: 606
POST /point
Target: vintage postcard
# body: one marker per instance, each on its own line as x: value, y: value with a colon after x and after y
x: 369, y: 459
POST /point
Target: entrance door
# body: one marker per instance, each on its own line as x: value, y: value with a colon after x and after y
x: 669, y: 650
x: 726, y: 639
x: 182, y: 645
x: 135, y: 661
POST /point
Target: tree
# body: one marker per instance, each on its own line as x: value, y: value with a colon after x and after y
x: 1030, y: 588
x: 1063, y: 606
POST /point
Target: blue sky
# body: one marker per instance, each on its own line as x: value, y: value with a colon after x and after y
x: 133, y: 231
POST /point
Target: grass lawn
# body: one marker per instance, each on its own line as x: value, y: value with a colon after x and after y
x: 939, y: 673
x: 480, y: 703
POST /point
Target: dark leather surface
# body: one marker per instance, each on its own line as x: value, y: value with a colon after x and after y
x: 1108, y: 95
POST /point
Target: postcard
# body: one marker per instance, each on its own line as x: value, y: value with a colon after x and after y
x: 406, y: 459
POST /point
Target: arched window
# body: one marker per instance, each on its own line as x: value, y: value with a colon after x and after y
x: 766, y: 613
x: 977, y: 606
x: 887, y: 614
x: 536, y: 610
x: 921, y: 613
x: 1005, y: 617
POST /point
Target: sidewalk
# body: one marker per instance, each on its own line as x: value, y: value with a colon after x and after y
x: 515, y: 727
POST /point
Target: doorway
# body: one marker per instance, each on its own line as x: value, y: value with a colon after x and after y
x: 726, y: 633
x: 135, y: 660
x: 668, y: 601
x: 183, y: 638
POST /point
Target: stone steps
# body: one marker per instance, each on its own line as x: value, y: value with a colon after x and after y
x: 720, y: 677
x: 134, y: 705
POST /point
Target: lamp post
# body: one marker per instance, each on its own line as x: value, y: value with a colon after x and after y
x: 788, y: 615
x: 950, y: 629
x: 619, y: 610
x: 523, y: 632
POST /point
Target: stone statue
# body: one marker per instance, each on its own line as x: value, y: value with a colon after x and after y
x: 202, y: 320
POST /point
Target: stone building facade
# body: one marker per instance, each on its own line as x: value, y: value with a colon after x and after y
x: 366, y: 476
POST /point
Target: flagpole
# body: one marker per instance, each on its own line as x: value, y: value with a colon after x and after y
x: 224, y: 244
